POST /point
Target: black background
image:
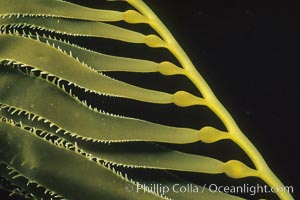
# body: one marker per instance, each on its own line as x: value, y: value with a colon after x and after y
x: 248, y: 51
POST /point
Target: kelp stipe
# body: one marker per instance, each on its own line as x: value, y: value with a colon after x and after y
x: 48, y: 134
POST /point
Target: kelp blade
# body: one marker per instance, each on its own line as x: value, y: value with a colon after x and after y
x: 68, y: 68
x: 56, y: 8
x: 166, y: 180
x: 45, y: 100
x: 59, y: 169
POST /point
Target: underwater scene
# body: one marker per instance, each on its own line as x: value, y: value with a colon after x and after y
x: 147, y: 99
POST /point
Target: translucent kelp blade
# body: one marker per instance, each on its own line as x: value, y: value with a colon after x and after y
x: 44, y: 99
x: 58, y: 169
x: 103, y: 62
x: 76, y: 27
x: 133, y: 154
x: 136, y: 154
x: 20, y: 186
x: 165, y: 180
x: 58, y: 63
x: 56, y: 8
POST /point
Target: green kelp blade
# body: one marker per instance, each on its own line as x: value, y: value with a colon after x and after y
x: 76, y: 27
x: 132, y: 154
x: 56, y: 8
x: 20, y: 186
x: 45, y: 100
x: 53, y: 61
x: 137, y: 154
x: 59, y: 169
x: 164, y: 179
x: 103, y: 62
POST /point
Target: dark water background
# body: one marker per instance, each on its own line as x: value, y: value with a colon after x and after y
x: 248, y: 51
x: 249, y: 54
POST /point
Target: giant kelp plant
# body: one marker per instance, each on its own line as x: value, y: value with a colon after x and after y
x: 55, y: 144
